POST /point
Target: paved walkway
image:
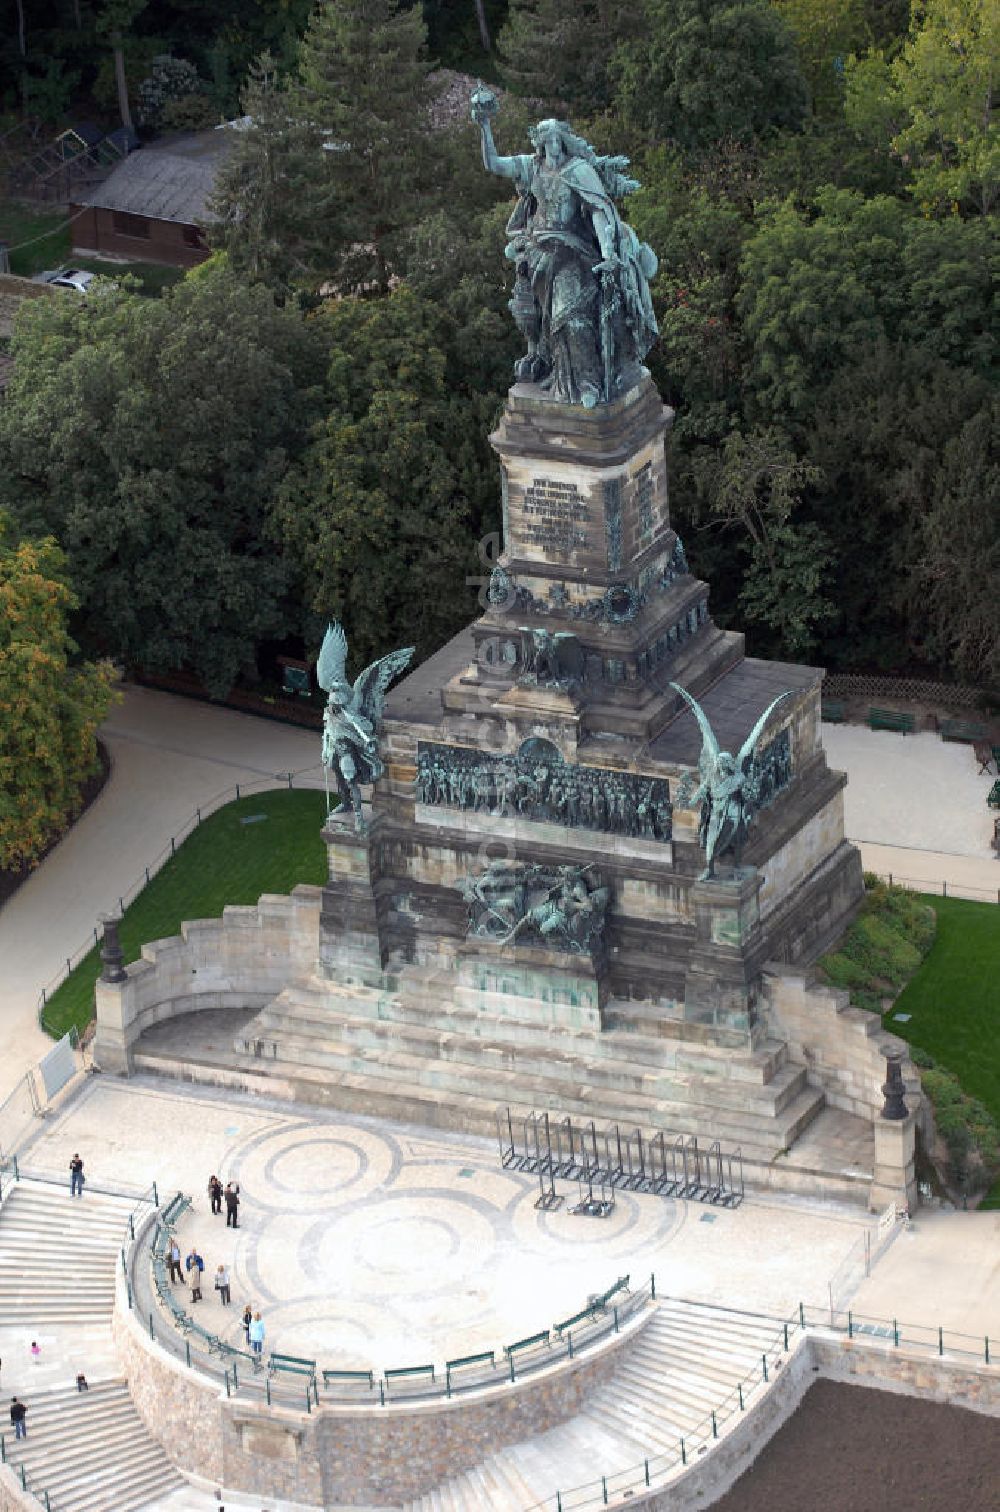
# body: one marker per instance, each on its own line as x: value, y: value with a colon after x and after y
x: 169, y: 755
x: 915, y: 792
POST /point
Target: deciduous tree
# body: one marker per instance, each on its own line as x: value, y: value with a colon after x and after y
x: 150, y: 437
x: 704, y: 70
x: 50, y: 704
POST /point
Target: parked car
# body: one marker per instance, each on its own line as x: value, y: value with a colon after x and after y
x: 68, y: 278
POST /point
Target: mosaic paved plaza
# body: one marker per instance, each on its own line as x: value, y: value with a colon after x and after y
x: 372, y: 1244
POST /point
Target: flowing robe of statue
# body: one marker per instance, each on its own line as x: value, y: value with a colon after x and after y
x: 581, y: 293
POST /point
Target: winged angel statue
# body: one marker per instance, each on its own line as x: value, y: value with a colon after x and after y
x: 728, y: 790
x: 352, y: 715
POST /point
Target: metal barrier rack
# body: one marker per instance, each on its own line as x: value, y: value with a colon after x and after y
x: 608, y: 1159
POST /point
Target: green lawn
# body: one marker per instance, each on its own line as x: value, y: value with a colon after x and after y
x: 949, y: 984
x: 954, y: 998
x: 223, y: 861
x: 22, y: 223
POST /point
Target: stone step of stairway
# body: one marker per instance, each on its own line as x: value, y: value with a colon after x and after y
x: 608, y: 1060
x: 718, y: 1107
x: 465, y: 1112
x: 668, y: 1044
x: 91, y: 1450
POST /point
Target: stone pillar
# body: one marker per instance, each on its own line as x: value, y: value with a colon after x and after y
x: 350, y: 947
x: 895, y: 1178
x: 895, y: 1143
x: 721, y: 984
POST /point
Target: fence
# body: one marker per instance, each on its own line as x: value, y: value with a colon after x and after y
x: 902, y: 689
x: 149, y: 1296
x: 129, y: 895
x: 28, y: 1101
x: 935, y: 1341
x: 942, y: 889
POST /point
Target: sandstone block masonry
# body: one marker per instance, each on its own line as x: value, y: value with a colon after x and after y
x: 243, y: 959
x: 344, y: 1456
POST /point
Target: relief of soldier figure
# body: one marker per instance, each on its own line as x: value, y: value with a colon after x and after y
x: 538, y: 784
x: 559, y: 906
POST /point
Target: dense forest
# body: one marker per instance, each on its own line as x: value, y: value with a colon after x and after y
x: 297, y: 430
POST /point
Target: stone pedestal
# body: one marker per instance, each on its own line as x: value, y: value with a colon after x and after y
x: 350, y: 947
x: 895, y: 1172
x: 722, y: 979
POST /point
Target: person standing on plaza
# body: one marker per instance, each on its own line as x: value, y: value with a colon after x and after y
x: 222, y: 1284
x: 257, y: 1332
x: 76, y: 1177
x: 247, y: 1320
x: 174, y: 1261
x: 232, y: 1204
x: 194, y: 1265
x: 215, y: 1194
x: 18, y: 1412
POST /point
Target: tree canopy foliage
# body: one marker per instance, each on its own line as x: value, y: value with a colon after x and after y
x: 50, y: 703
x: 300, y: 428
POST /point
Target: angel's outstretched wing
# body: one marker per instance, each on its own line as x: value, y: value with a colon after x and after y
x: 370, y: 688
x: 331, y: 664
x: 746, y: 751
x: 709, y: 745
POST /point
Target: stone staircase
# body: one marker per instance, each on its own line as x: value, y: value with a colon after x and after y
x: 58, y: 1254
x: 90, y: 1451
x: 681, y: 1367
x: 445, y: 1064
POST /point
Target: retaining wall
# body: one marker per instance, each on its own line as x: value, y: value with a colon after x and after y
x: 241, y: 960
x: 344, y: 1456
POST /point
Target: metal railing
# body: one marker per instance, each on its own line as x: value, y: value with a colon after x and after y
x: 28, y: 1482
x: 129, y: 894
x: 27, y: 1102
x: 619, y: 1487
x: 942, y: 889
x: 230, y: 1365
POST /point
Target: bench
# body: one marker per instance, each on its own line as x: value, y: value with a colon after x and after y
x: 832, y: 711
x: 585, y: 1316
x: 539, y: 1338
x: 983, y: 752
x: 175, y: 1210
x: 599, y: 1304
x: 234, y: 1353
x: 891, y: 719
x: 350, y: 1378
x: 467, y: 1361
x: 291, y: 1365
x: 404, y: 1372
x: 962, y: 729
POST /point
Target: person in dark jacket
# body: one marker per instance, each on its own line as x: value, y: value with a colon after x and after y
x: 232, y: 1204
x: 18, y: 1412
x: 215, y: 1193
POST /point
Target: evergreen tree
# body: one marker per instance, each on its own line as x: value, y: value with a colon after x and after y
x: 559, y: 51
x: 359, y: 101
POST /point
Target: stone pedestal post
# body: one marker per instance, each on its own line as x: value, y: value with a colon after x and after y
x: 350, y: 947
x: 721, y: 986
x: 895, y: 1177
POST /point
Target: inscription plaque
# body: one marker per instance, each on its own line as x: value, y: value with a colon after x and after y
x: 554, y: 513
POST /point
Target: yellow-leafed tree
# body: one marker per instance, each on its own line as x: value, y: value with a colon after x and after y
x: 50, y: 707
